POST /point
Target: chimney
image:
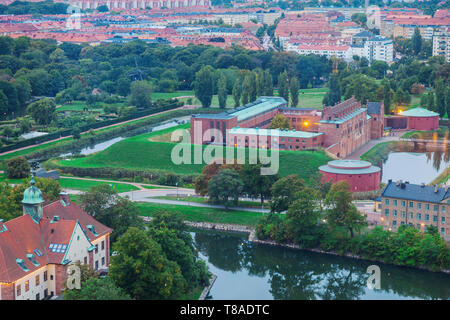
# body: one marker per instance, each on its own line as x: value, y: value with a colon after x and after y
x: 436, y: 188
x: 64, y: 197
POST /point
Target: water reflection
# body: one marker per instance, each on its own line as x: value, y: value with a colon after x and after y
x: 251, y: 271
x: 415, y: 167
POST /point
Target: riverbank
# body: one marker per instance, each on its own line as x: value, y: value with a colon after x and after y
x: 207, y: 289
x: 252, y: 238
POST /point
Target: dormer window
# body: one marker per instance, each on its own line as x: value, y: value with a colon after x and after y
x: 92, y: 229
x: 21, y: 264
x: 32, y: 259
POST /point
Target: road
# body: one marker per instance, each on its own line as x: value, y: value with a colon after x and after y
x: 356, y: 155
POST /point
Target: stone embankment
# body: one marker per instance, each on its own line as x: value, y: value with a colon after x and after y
x: 208, y: 288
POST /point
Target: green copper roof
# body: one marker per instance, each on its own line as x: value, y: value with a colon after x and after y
x: 419, y: 112
x: 261, y: 105
x: 274, y: 132
x: 346, y: 118
x: 32, y: 195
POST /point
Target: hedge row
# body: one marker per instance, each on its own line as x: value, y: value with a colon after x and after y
x: 96, y: 125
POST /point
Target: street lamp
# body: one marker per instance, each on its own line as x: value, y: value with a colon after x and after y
x: 177, y: 190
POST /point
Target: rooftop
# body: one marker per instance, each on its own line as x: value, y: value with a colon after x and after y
x: 415, y: 192
x: 274, y: 132
x: 262, y: 104
x: 346, y: 118
x: 349, y: 167
x: 419, y: 112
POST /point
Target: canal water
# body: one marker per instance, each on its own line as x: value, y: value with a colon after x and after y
x: 253, y: 271
x: 106, y: 144
x: 416, y: 168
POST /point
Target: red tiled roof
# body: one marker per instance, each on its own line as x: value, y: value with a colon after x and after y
x: 22, y: 236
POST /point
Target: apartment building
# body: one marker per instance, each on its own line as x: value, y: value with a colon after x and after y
x: 372, y: 47
x: 441, y: 42
x: 418, y: 205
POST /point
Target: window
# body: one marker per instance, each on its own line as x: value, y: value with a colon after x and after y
x: 442, y: 230
x: 443, y: 220
x: 418, y: 216
x: 386, y: 212
x: 96, y: 265
x: 103, y: 261
x: 37, y: 280
x: 434, y: 218
x: 38, y: 297
x: 27, y: 286
x: 386, y: 202
x: 18, y: 290
x: 427, y: 217
x: 85, y: 260
x: 403, y: 214
x: 96, y: 248
x: 395, y: 202
x: 394, y: 223
x: 410, y: 215
x: 435, y: 208
x: 403, y: 203
x: 103, y: 245
x: 411, y: 204
x: 427, y: 207
x: 45, y: 276
x: 394, y: 213
x: 419, y: 205
x: 443, y: 209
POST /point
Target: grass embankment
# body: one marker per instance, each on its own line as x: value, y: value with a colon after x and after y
x: 441, y: 133
x: 85, y: 185
x: 200, y: 214
x: 380, y: 151
x: 246, y: 204
x: 442, y: 178
x: 140, y: 153
x: 149, y: 120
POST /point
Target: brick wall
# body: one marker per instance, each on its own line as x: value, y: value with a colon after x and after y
x: 60, y: 278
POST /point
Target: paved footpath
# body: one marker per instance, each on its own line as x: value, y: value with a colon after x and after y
x: 356, y: 155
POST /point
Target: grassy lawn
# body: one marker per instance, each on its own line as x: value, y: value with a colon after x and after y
x: 199, y: 214
x: 140, y: 153
x: 85, y: 185
x: 78, y: 106
x: 441, y: 133
x: 4, y: 178
x: 247, y: 204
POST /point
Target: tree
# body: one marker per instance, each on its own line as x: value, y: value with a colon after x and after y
x: 342, y: 212
x: 283, y: 86
x: 3, y: 105
x: 178, y: 247
x: 106, y: 206
x: 283, y: 192
x: 225, y: 185
x: 268, y: 85
x: 222, y: 90
x: 246, y: 90
x: 294, y: 87
x: 141, y: 94
x: 333, y: 96
x: 42, y: 111
x: 387, y: 97
x: 430, y: 101
x: 204, y: 87
x: 440, y: 97
x: 447, y: 100
x: 302, y: 217
x: 76, y: 133
x: 142, y: 270
x: 255, y: 184
x: 417, y: 41
x: 209, y: 171
x: 237, y: 92
x: 280, y: 121
x: 252, y: 87
x: 17, y: 168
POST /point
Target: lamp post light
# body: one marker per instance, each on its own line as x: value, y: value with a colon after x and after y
x: 177, y: 190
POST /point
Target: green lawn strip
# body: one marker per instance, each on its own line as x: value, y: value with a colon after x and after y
x: 247, y: 204
x: 379, y: 152
x: 201, y: 214
x: 441, y: 133
x: 85, y: 185
x: 153, y: 187
x: 4, y: 178
x: 193, y: 294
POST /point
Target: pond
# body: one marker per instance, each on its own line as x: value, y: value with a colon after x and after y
x: 252, y: 271
x: 416, y: 168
